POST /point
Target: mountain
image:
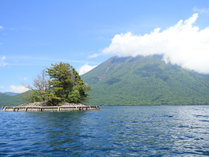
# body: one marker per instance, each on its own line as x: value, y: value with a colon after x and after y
x: 10, y: 93
x: 12, y: 99
x: 145, y: 81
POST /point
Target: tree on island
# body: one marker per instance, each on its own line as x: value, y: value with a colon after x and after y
x: 40, y: 88
x: 60, y: 83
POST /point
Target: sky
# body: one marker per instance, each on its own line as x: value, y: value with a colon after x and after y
x: 35, y: 34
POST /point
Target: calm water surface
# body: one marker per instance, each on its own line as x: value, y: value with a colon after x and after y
x: 111, y: 131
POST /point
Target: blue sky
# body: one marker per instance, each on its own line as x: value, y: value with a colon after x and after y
x: 34, y: 34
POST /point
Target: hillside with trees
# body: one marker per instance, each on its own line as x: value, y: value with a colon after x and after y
x: 12, y: 100
x: 145, y: 81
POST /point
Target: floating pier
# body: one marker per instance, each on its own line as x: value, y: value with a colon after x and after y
x: 48, y: 108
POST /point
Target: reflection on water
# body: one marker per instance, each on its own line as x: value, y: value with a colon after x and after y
x: 112, y: 131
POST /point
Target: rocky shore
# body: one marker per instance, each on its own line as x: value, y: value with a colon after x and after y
x: 44, y: 107
x: 59, y: 104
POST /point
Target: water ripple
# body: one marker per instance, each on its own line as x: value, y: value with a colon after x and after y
x: 112, y: 131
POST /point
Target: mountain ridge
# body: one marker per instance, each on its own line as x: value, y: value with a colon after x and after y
x: 10, y: 93
x: 145, y: 81
x: 12, y: 99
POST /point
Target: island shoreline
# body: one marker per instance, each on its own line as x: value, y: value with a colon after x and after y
x: 43, y: 107
x: 48, y: 108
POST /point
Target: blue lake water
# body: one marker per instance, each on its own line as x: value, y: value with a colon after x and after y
x: 111, y: 131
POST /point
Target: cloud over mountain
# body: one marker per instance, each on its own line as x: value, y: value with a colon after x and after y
x: 183, y: 44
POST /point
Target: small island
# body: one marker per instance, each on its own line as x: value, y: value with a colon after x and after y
x: 57, y: 89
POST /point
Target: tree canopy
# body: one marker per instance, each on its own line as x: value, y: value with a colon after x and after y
x: 60, y: 83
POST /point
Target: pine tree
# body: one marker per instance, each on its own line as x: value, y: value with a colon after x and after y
x: 64, y: 85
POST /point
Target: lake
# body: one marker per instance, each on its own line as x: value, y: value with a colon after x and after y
x: 111, y: 131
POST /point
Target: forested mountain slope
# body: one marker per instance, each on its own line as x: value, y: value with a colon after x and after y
x: 145, y: 81
x: 12, y: 99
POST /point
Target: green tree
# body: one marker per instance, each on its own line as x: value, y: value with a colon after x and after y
x: 60, y: 83
x: 65, y: 84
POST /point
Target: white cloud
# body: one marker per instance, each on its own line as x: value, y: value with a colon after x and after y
x: 94, y: 55
x: 201, y: 11
x: 18, y: 89
x: 2, y: 61
x: 85, y: 68
x: 182, y: 44
x: 1, y: 27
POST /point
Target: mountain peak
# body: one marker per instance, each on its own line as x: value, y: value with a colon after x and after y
x: 145, y: 80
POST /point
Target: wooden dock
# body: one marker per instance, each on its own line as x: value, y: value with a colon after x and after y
x: 48, y: 108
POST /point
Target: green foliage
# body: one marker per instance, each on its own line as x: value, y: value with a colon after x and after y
x: 37, y: 96
x: 64, y: 85
x: 145, y: 81
x: 74, y: 96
